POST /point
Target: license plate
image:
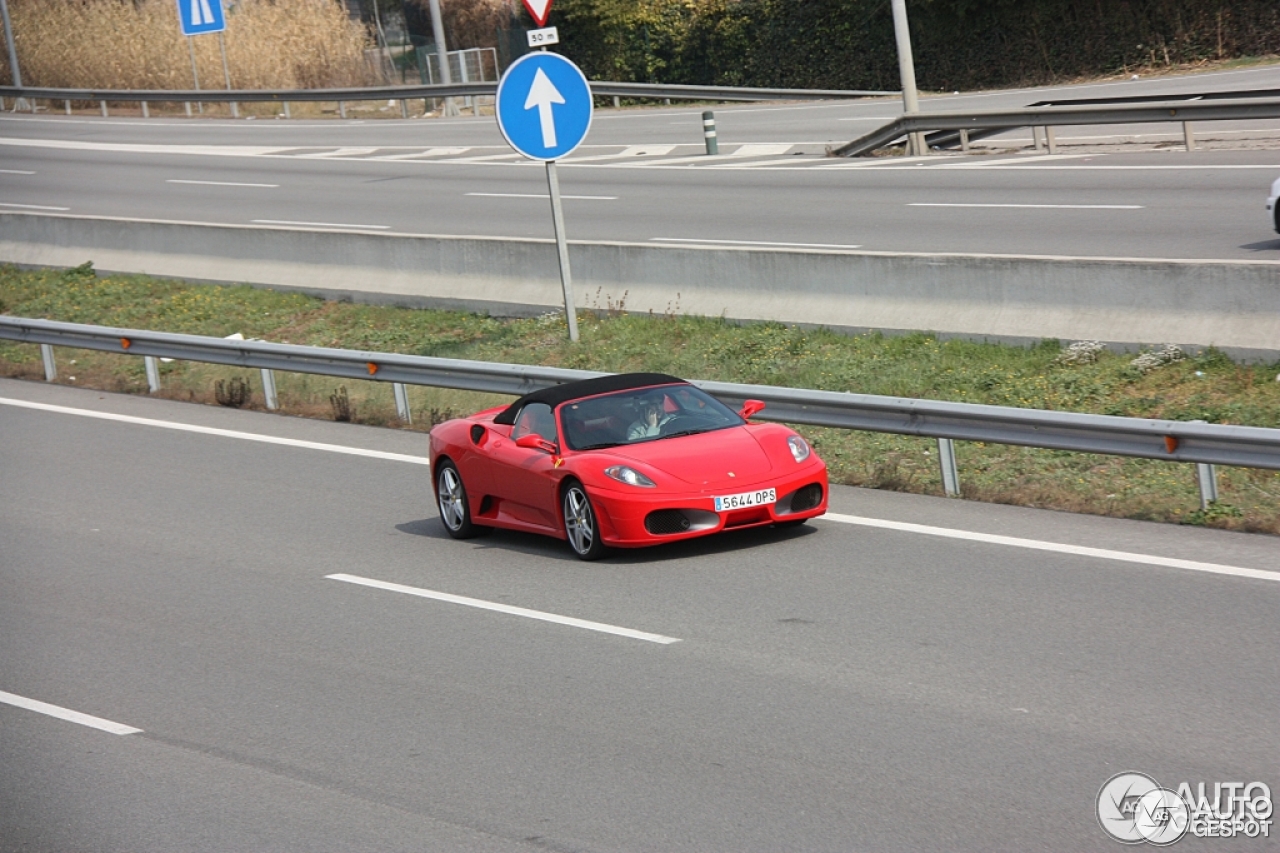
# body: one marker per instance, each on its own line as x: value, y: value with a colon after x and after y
x: 746, y: 499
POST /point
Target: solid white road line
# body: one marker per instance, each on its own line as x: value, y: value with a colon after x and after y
x: 1037, y: 545
x: 33, y: 206
x: 1031, y: 206
x: 906, y: 527
x: 318, y: 224
x: 546, y: 197
x: 15, y: 172
x: 220, y: 183
x: 753, y: 243
x: 225, y: 433
x: 506, y: 608
x: 67, y: 714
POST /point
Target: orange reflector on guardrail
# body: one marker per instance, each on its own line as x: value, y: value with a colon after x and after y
x: 373, y: 368
x: 1170, y: 443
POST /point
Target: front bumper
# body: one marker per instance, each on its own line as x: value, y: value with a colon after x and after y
x: 636, y: 518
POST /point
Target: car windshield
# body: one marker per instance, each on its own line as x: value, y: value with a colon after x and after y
x: 642, y: 414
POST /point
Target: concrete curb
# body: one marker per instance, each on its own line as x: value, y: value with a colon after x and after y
x: 1234, y: 305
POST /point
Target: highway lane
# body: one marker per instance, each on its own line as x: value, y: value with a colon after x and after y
x: 841, y: 688
x: 1157, y: 204
x: 796, y: 123
x: 641, y: 178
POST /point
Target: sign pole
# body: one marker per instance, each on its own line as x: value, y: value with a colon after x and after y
x: 562, y: 248
x: 195, y: 76
x: 907, y: 72
x: 20, y: 103
x: 442, y: 53
x: 226, y: 72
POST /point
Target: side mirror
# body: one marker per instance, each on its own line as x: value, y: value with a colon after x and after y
x: 532, y: 441
x: 751, y: 407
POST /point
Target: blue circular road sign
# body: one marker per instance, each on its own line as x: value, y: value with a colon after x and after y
x: 544, y: 106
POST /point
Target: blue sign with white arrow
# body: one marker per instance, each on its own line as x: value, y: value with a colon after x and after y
x: 544, y: 106
x: 201, y: 16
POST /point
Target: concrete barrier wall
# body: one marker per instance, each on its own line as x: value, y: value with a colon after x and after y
x: 1233, y: 305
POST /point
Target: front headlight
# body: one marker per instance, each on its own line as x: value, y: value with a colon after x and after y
x: 630, y: 476
x: 799, y: 447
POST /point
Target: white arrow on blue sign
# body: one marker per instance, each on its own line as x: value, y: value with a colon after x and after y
x: 201, y: 16
x: 544, y: 106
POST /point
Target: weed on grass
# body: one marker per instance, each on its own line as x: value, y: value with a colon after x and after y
x: 1078, y: 377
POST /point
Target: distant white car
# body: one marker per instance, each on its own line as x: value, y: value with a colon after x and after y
x: 1273, y: 205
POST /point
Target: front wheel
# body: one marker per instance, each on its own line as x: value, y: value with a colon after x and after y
x: 451, y: 497
x: 580, y: 525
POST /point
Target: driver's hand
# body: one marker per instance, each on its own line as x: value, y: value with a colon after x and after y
x: 652, y: 417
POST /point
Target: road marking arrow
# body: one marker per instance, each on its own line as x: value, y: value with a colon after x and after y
x: 542, y: 94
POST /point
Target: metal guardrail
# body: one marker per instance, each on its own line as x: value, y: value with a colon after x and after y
x: 433, y: 91
x: 1169, y: 110
x: 1174, y: 441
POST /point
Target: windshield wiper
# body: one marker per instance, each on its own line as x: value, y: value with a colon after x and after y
x: 600, y: 446
x: 679, y: 433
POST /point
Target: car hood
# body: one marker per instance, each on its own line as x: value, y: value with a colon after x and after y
x: 719, y: 458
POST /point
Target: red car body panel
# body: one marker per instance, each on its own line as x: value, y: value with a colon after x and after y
x: 519, y: 488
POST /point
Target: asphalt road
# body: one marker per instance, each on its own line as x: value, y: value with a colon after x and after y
x: 846, y: 687
x: 641, y: 177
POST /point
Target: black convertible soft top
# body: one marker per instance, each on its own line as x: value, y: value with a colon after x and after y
x: 557, y: 394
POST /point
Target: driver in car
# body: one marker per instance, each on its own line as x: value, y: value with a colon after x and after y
x: 652, y: 417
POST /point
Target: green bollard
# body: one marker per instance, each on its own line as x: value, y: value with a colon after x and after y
x: 709, y: 131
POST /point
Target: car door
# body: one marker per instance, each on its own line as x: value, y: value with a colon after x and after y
x: 523, y: 479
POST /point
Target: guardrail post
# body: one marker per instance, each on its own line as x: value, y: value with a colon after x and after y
x: 153, y: 373
x: 50, y: 366
x: 1188, y: 137
x: 1051, y: 138
x: 146, y: 111
x: 1035, y: 136
x: 1207, y: 478
x: 187, y: 104
x: 964, y: 141
x: 403, y: 412
x: 709, y: 132
x: 617, y: 102
x: 404, y: 108
x: 342, y: 109
x: 104, y: 108
x: 68, y: 106
x: 286, y: 110
x: 947, y: 461
x: 269, y: 388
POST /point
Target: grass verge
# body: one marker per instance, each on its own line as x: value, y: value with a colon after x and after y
x: 1163, y: 383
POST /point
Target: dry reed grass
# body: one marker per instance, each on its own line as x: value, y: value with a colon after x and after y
x: 120, y: 44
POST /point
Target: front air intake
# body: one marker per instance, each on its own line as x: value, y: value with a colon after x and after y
x: 806, y: 498
x: 664, y: 522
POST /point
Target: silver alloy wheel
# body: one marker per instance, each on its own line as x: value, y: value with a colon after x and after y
x: 578, y: 521
x: 453, y: 511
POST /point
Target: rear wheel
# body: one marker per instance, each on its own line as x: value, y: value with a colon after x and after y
x: 451, y: 497
x: 580, y: 525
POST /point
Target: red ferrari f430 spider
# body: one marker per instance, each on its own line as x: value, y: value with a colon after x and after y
x: 622, y: 461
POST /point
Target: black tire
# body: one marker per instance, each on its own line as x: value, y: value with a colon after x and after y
x: 580, y: 525
x: 451, y: 500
